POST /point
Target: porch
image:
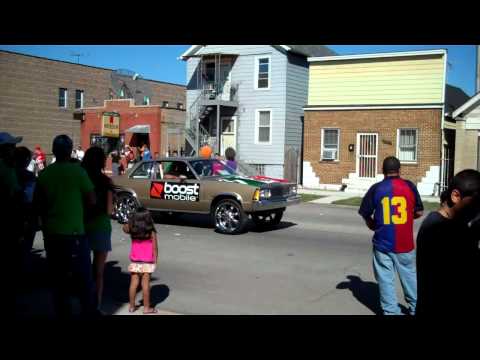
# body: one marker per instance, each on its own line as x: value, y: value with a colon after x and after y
x: 211, y: 116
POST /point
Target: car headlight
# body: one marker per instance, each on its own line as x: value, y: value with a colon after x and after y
x: 293, y: 190
x: 265, y: 194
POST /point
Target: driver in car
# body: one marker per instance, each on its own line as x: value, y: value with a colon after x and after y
x: 176, y: 170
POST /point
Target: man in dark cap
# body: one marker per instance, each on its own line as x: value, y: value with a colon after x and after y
x: 448, y: 257
x: 61, y: 192
x: 394, y: 204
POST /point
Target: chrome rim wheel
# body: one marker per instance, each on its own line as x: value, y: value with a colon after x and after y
x: 124, y: 208
x: 227, y: 217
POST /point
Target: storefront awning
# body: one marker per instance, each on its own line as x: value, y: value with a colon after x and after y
x: 139, y: 129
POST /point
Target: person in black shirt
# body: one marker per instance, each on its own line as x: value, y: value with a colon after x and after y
x: 447, y: 251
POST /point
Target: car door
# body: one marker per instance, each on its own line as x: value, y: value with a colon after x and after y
x: 140, y: 182
x: 174, y: 194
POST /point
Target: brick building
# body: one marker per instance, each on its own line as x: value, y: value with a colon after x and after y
x: 363, y: 108
x: 41, y: 98
x: 137, y: 125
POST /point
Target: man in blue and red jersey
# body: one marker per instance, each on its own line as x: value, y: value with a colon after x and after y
x: 394, y: 204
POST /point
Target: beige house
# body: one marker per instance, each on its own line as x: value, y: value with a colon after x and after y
x: 467, y: 152
x: 363, y: 108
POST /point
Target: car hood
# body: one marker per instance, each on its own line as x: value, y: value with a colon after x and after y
x: 268, y: 179
x: 252, y: 181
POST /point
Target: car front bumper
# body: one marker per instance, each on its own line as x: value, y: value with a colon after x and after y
x: 264, y: 205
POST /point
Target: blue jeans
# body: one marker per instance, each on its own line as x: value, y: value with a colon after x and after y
x: 384, y: 266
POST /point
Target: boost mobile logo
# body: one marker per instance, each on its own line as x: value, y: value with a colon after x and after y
x: 179, y: 192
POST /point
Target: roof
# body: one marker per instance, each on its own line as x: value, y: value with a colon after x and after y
x: 304, y: 50
x: 312, y: 50
x: 89, y: 66
x: 473, y: 101
x: 378, y: 55
x: 454, y: 98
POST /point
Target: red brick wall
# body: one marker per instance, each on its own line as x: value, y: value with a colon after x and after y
x: 383, y: 122
x: 129, y: 116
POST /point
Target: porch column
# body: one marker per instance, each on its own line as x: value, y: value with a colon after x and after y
x: 218, y: 129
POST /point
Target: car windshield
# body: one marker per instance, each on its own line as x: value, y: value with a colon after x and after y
x: 211, y: 168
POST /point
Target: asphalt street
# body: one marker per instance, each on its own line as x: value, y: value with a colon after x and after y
x: 317, y: 261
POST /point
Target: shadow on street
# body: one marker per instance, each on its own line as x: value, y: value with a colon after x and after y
x: 205, y: 222
x: 116, y: 286
x: 282, y: 225
x: 33, y: 298
x: 366, y: 293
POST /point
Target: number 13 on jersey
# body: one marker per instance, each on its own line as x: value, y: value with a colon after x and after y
x: 401, y: 203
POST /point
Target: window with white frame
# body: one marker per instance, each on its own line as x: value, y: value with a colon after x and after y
x: 263, y: 127
x: 146, y: 100
x: 262, y: 72
x: 62, y: 97
x: 407, y: 145
x: 330, y: 144
x: 78, y: 99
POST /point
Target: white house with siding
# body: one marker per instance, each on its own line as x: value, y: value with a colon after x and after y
x: 255, y: 95
x: 467, y: 119
x: 467, y: 152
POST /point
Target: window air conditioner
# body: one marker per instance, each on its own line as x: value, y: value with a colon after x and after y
x: 329, y: 154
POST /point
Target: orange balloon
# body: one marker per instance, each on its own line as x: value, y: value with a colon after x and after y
x: 206, y: 151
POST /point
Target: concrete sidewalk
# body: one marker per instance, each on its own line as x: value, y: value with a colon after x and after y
x: 329, y: 196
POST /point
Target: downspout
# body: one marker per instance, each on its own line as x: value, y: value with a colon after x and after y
x: 442, y: 129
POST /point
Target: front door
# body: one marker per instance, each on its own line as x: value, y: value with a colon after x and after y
x: 367, y: 153
x: 229, y: 133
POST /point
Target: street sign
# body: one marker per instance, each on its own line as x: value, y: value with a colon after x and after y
x: 111, y: 125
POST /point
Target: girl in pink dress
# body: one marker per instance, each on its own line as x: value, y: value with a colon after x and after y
x: 143, y: 256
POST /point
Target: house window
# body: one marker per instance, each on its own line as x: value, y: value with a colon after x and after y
x: 78, y: 99
x: 407, y: 145
x: 165, y: 104
x: 146, y: 100
x: 330, y: 144
x: 263, y: 127
x: 62, y: 97
x: 262, y: 72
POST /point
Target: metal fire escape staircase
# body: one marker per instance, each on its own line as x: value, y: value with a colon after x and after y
x: 195, y: 132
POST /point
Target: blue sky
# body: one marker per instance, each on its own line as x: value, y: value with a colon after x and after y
x: 159, y: 62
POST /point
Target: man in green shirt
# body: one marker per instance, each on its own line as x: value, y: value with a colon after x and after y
x: 63, y: 193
